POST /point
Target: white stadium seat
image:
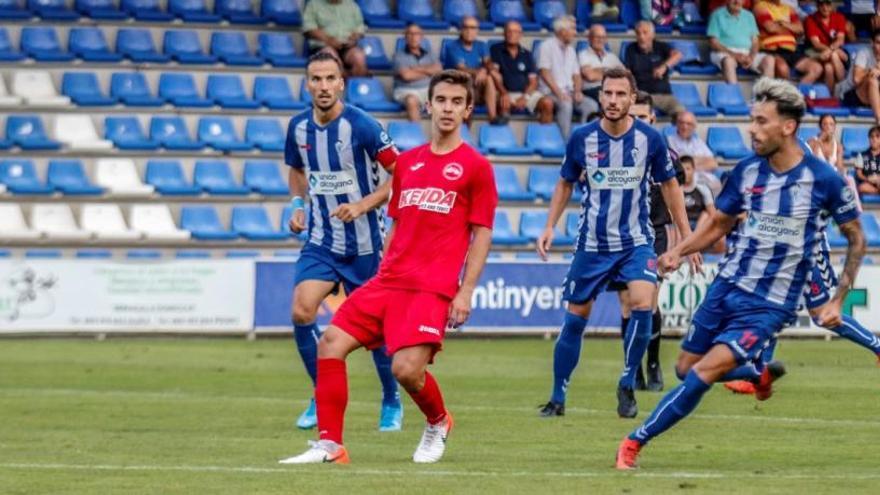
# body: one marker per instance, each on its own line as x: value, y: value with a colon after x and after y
x: 78, y: 133
x: 156, y: 222
x: 120, y: 177
x: 105, y: 221
x: 56, y: 222
x: 12, y: 224
x: 6, y: 99
x: 36, y: 88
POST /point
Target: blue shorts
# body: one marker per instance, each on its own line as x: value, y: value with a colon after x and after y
x: 318, y: 263
x: 591, y: 272
x: 743, y: 322
x: 821, y: 281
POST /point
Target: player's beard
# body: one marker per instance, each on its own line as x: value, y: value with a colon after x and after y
x: 621, y: 115
x: 326, y: 108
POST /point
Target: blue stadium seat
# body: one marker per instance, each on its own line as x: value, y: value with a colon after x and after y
x: 691, y: 61
x: 263, y: 177
x: 179, y: 89
x: 274, y: 92
x: 7, y: 52
x: 406, y: 135
x: 192, y: 254
x: 173, y: 134
x: 169, y: 180
x: 215, y: 177
x: 545, y: 139
x: 728, y: 99
x: 546, y: 11
x: 687, y: 95
x: 499, y: 139
x: 278, y: 49
x: 806, y: 133
x: 531, y: 226
x: 89, y: 44
x: 143, y: 254
x: 11, y: 10
x: 100, y: 9
x: 501, y: 11
x: 20, y: 177
x: 872, y: 229
x: 420, y: 12
x: 455, y: 10
x: 252, y: 223
x: 52, y: 10
x: 854, y: 140
x: 509, y: 188
x: 131, y: 89
x: 377, y: 14
x: 374, y: 51
x: 368, y: 93
x: 192, y: 11
x: 94, y: 254
x: 43, y: 253
x: 281, y: 12
x: 231, y: 47
x: 265, y: 134
x: 41, y: 43
x: 468, y: 138
x: 238, y: 11
x: 219, y: 133
x: 146, y: 10
x: 227, y: 91
x: 185, y: 48
x: 502, y: 232
x: 584, y: 10
x: 857, y: 111
x: 127, y: 134
x: 572, y: 221
x: 204, y: 224
x: 304, y: 95
x: 137, y: 45
x: 69, y: 177
x: 542, y: 181
x: 631, y: 13
x: 821, y: 91
x: 27, y: 132
x: 727, y: 142
x: 835, y: 238
x: 84, y: 90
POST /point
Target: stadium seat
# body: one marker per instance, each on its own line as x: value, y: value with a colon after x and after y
x: 368, y: 93
x: 155, y: 222
x: 94, y: 254
x: 265, y: 134
x: 691, y: 61
x: 583, y: 12
x: 56, y: 221
x: 811, y: 91
x: 192, y: 254
x: 227, y: 91
x: 545, y: 139
x: 179, y: 89
x: 304, y: 95
x: 531, y: 226
x: 173, y: 134
x: 406, y: 135
x: 104, y: 221
x: 278, y: 49
x: 100, y: 9
x: 146, y: 10
x: 871, y: 228
x: 167, y: 177
x: 120, y: 177
x: 231, y: 47
x: 501, y: 11
x: 11, y: 10
x: 572, y: 221
x: 509, y: 187
x: 35, y: 87
x: 27, y: 132
x: 854, y: 140
x: 69, y: 177
x: 219, y: 133
x: 420, y: 12
x: 499, y: 139
x: 143, y: 254
x: 374, y: 51
x: 238, y: 11
x: 20, y: 177
x: 806, y: 133
x: 727, y: 142
x: 727, y: 99
x: 687, y: 95
x: 41, y: 44
x: 52, y: 10
x: 263, y: 177
x: 542, y: 181
x: 77, y: 132
x: 131, y: 89
x: 468, y: 138
x: 215, y: 177
x: 377, y: 14
x: 281, y: 12
x: 137, y: 45
x: 7, y: 52
x: 204, y: 224
x: 546, y: 11
x: 274, y: 92
x: 192, y: 11
x: 252, y: 223
x: 6, y: 99
x: 89, y: 44
x: 502, y: 233
x: 127, y: 134
x: 84, y: 89
x: 12, y: 224
x: 455, y: 10
x: 185, y: 48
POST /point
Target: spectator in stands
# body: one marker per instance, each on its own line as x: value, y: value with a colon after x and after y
x: 560, y: 75
x: 699, y: 202
x: 515, y: 76
x: 864, y: 16
x: 862, y: 85
x: 826, y: 34
x: 779, y: 28
x: 413, y: 68
x: 337, y: 25
x: 686, y: 142
x: 826, y: 146
x: 651, y: 61
x: 733, y: 37
x: 594, y: 59
x: 868, y: 165
x: 604, y: 10
x: 472, y: 56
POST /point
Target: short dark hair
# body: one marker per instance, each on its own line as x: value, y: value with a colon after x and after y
x: 453, y: 76
x: 644, y: 98
x: 873, y: 130
x: 686, y: 158
x: 324, y: 56
x: 620, y: 73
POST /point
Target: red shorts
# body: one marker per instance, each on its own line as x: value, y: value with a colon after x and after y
x: 398, y: 318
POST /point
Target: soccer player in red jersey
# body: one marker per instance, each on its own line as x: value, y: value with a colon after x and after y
x: 443, y: 204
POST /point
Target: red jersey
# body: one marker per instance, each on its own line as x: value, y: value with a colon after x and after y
x: 435, y: 200
x: 816, y: 27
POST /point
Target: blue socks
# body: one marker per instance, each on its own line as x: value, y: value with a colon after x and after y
x: 566, y: 354
x: 390, y: 395
x: 635, y: 343
x: 852, y: 330
x: 746, y: 371
x: 677, y: 404
x: 307, y: 337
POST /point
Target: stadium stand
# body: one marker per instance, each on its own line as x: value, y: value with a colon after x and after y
x: 35, y: 87
x: 69, y: 178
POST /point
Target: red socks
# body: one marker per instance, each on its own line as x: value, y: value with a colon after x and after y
x: 331, y: 398
x: 429, y: 399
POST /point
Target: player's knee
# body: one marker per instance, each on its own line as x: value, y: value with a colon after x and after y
x: 302, y: 314
x: 681, y: 370
x: 331, y: 346
x: 409, y: 375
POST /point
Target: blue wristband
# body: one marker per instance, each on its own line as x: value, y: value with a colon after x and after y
x: 297, y: 203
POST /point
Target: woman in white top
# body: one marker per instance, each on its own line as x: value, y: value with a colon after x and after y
x: 826, y: 146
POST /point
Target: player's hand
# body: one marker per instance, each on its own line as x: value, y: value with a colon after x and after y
x: 459, y: 309
x: 544, y: 242
x: 348, y: 212
x: 695, y: 261
x: 829, y: 315
x: 659, y: 71
x: 297, y: 221
x: 668, y: 262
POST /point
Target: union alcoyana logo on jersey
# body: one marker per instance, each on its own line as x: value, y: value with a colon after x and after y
x: 453, y: 171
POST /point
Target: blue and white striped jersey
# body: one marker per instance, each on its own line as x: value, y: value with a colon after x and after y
x: 773, y: 249
x: 616, y: 173
x: 341, y: 162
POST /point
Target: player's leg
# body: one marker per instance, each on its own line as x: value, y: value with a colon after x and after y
x: 623, y: 300
x: 638, y: 334
x: 654, y: 372
x: 853, y: 331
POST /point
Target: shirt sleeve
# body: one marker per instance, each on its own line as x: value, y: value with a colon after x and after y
x: 714, y: 31
x: 663, y: 48
x: 495, y: 53
x: 811, y: 28
x: 730, y: 201
x: 358, y: 16
x: 659, y: 161
x: 762, y: 15
x: 860, y: 161
x: 484, y: 197
x: 840, y: 199
x: 703, y: 149
x: 291, y: 153
x: 572, y: 162
x: 310, y: 18
x: 397, y: 62
x: 706, y: 193
x: 530, y: 63
x: 378, y: 143
x: 483, y: 50
x: 753, y: 26
x: 544, y: 61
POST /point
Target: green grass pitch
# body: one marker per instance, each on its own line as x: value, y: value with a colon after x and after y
x: 186, y: 416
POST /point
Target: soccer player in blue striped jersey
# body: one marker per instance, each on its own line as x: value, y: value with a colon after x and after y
x: 616, y: 157
x: 787, y: 197
x: 335, y: 152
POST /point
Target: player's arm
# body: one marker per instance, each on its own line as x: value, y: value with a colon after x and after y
x: 348, y: 212
x: 481, y: 241
x: 706, y: 234
x: 674, y: 199
x: 561, y: 195
x: 296, y: 182
x: 855, y: 251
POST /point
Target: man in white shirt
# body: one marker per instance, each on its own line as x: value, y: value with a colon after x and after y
x: 862, y: 84
x: 685, y: 142
x: 594, y: 59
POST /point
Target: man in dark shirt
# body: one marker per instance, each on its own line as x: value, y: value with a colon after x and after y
x: 651, y: 61
x: 513, y: 70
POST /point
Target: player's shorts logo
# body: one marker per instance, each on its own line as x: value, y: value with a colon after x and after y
x: 427, y: 329
x: 453, y: 171
x: 814, y: 288
x: 652, y: 265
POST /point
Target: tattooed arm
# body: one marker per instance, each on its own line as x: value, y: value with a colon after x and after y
x: 855, y: 251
